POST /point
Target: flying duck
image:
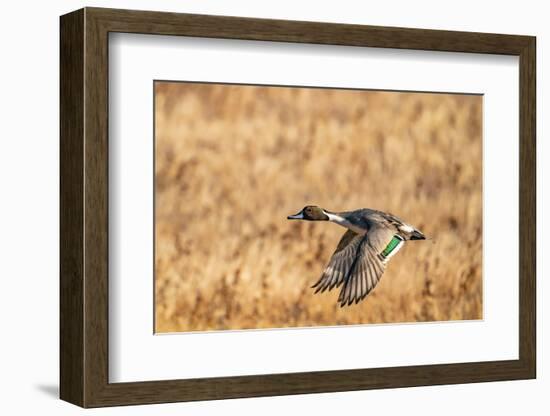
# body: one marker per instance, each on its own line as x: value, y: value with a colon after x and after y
x: 372, y: 239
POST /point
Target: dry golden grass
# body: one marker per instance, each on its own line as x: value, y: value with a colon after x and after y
x: 233, y: 161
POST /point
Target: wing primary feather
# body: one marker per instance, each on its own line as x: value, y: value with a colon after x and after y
x: 341, y: 295
x: 365, y: 291
x: 334, y: 272
x: 356, y: 277
x: 336, y: 278
x: 377, y: 272
x: 361, y: 287
x: 355, y: 281
x: 348, y: 287
x: 369, y: 273
x: 342, y: 276
x: 339, y: 271
x: 321, y: 284
x: 372, y: 279
x: 317, y: 283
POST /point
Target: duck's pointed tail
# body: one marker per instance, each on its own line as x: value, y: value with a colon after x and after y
x: 417, y: 235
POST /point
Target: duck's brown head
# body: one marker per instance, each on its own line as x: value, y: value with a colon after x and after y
x: 310, y: 213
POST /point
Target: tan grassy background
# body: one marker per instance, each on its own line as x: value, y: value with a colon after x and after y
x: 233, y: 161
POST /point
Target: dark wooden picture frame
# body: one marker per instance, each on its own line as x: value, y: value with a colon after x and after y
x: 84, y: 207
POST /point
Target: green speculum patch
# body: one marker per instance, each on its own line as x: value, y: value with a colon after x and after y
x: 392, y: 245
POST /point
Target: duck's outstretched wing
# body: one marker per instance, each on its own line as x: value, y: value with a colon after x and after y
x: 358, y: 263
x: 376, y: 247
x: 340, y: 263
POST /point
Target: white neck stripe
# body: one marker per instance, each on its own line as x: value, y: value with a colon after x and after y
x: 343, y: 222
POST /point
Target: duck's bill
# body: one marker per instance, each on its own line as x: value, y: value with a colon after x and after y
x: 298, y: 216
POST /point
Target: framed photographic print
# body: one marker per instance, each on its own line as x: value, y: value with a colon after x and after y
x: 255, y: 207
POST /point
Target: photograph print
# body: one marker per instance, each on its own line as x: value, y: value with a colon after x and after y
x: 293, y: 206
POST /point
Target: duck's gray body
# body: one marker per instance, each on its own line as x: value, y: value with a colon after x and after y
x: 358, y: 263
x: 364, y: 219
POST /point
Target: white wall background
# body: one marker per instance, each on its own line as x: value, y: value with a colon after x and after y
x: 29, y: 207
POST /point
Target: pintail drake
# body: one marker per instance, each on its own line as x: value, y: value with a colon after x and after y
x: 372, y: 239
